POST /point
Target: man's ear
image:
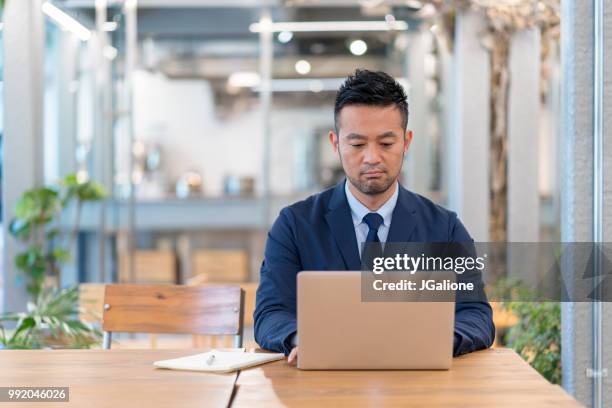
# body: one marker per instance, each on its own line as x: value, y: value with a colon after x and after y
x: 407, y: 140
x: 333, y: 139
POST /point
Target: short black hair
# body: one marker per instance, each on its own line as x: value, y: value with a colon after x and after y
x: 371, y: 88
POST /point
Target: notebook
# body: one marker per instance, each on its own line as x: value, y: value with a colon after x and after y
x: 218, y: 361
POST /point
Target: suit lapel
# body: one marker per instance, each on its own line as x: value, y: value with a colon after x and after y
x: 404, y: 218
x: 341, y: 225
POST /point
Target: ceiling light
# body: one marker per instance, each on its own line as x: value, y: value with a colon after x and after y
x: 302, y: 67
x: 358, y: 47
x: 285, y: 36
x: 314, y: 26
x: 65, y: 21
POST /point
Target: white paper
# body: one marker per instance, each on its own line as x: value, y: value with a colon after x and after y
x: 223, y: 361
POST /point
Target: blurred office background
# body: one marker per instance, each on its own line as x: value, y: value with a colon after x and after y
x: 203, y: 118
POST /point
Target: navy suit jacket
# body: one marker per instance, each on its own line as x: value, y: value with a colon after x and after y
x: 318, y: 234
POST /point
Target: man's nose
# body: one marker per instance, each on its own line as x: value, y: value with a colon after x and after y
x: 372, y: 154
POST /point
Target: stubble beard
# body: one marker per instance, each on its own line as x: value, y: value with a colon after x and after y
x: 374, y: 188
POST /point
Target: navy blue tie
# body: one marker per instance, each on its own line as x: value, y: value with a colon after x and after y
x: 372, y: 248
x: 373, y: 220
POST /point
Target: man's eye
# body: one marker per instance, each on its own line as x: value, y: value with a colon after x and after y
x: 358, y: 145
x: 387, y: 144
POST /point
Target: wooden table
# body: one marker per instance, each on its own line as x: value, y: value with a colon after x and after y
x: 489, y: 378
x: 114, y: 378
x: 126, y: 378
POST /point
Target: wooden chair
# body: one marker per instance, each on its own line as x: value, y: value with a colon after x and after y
x: 175, y: 309
x: 249, y: 288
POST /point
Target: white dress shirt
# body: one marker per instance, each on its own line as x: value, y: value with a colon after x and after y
x: 358, y: 211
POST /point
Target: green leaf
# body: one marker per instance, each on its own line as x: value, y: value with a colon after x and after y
x: 33, y: 263
x: 26, y: 207
x: 91, y: 191
x: 51, y: 320
x: 77, y: 325
x: 24, y: 324
x: 34, y: 256
x: 71, y: 180
x: 84, y: 191
x: 20, y: 228
x: 37, y: 272
x: 21, y: 260
x: 52, y: 234
x: 60, y: 254
x: 38, y: 206
x: 537, y: 336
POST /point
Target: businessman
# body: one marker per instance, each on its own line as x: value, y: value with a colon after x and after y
x: 326, y: 231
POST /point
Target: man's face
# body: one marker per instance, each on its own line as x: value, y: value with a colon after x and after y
x: 371, y: 143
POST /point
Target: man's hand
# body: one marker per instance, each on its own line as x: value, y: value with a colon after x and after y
x: 293, y: 356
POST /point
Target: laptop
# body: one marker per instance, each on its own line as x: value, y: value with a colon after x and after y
x: 339, y: 331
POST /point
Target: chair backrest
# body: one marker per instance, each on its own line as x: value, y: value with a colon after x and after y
x: 250, y: 290
x: 134, y: 308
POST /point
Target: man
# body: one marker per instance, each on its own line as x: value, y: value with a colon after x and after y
x: 326, y: 231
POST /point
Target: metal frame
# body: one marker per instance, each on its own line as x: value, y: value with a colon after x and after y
x: 265, y: 96
x: 131, y: 41
x: 598, y: 193
x: 106, y: 340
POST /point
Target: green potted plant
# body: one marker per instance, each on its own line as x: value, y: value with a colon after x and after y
x: 536, y: 336
x: 51, y: 319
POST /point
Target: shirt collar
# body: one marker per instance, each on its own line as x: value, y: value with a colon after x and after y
x: 358, y: 210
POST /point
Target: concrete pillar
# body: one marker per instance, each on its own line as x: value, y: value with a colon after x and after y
x: 67, y: 65
x: 468, y: 141
x: 577, y: 184
x: 67, y: 115
x: 447, y: 129
x: 23, y: 42
x: 419, y: 159
x: 523, y: 137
